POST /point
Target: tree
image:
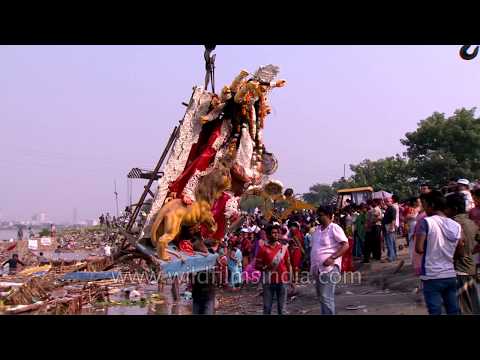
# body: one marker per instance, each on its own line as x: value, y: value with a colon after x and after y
x: 392, y: 174
x: 250, y: 202
x: 45, y: 232
x: 343, y: 183
x: 438, y: 150
x: 320, y: 194
x: 442, y: 148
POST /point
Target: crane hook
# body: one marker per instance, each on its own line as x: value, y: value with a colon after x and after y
x: 209, y: 66
x: 464, y: 52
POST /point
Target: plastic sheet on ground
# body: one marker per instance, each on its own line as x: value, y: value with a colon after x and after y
x: 92, y: 276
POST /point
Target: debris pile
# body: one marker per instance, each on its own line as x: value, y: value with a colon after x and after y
x: 74, y: 278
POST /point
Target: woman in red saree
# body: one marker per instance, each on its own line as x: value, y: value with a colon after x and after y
x: 296, y: 248
x: 222, y: 269
x: 347, y: 258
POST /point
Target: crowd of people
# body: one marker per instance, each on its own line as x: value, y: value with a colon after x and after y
x: 439, y: 256
x: 444, y: 246
x: 278, y: 253
x: 439, y: 228
x: 108, y: 221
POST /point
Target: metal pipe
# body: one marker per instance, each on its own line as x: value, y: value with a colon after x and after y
x: 152, y: 179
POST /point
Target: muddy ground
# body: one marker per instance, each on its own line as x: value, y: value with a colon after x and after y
x: 377, y: 289
x: 381, y: 290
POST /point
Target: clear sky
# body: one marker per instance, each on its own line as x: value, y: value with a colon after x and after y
x: 75, y: 118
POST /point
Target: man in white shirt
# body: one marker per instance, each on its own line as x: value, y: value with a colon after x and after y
x: 397, y: 210
x: 463, y: 186
x: 436, y: 239
x: 108, y: 250
x: 329, y: 243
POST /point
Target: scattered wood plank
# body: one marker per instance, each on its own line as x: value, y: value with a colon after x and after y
x: 34, y: 289
x: 23, y: 308
x: 35, y: 269
x: 5, y: 286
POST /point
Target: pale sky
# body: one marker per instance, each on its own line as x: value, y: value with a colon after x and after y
x: 75, y: 118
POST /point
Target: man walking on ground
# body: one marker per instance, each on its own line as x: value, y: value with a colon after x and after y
x: 397, y: 210
x: 203, y: 293
x: 307, y: 239
x: 359, y: 232
x: 463, y: 260
x: 42, y: 260
x: 329, y: 243
x: 436, y: 240
x: 12, y: 264
x: 474, y: 215
x: 373, y: 232
x: 389, y: 228
x: 274, y: 262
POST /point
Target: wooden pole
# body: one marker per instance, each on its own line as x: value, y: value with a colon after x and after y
x: 116, y: 197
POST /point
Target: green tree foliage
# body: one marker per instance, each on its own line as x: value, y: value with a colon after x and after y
x: 250, y: 202
x: 442, y: 148
x: 45, y: 232
x: 343, y: 183
x: 319, y: 194
x: 392, y: 174
x: 281, y: 204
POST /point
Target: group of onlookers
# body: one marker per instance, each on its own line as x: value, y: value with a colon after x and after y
x: 441, y: 229
x: 274, y: 253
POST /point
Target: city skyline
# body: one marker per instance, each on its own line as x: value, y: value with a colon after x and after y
x: 47, y: 219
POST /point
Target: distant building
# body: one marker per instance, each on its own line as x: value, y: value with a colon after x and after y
x: 91, y: 222
x: 40, y: 218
